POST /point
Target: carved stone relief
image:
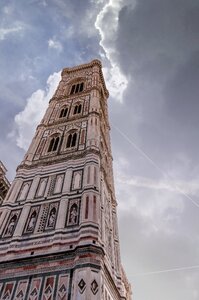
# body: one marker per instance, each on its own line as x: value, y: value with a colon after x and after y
x: 32, y: 219
x: 12, y: 222
x: 52, y: 216
x: 73, y: 212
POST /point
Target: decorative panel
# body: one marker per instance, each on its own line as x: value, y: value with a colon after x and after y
x: 77, y: 180
x: 73, y: 212
x: 62, y: 289
x: 40, y: 148
x: 41, y: 187
x: 12, y: 222
x: 21, y: 290
x: 35, y: 289
x: 32, y: 219
x: 43, y: 217
x: 48, y: 288
x: 52, y: 185
x: 8, y: 291
x: 24, y: 190
x: 58, y: 183
x: 52, y: 216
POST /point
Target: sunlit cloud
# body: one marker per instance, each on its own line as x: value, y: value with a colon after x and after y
x: 27, y: 120
x: 107, y: 25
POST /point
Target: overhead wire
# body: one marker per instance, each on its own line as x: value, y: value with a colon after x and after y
x: 166, y: 271
x: 144, y: 154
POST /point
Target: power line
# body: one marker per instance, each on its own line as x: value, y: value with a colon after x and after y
x: 155, y: 165
x: 166, y: 271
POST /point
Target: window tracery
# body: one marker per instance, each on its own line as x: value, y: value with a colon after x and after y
x: 77, y: 109
x: 54, y: 142
x: 71, y: 140
x: 63, y: 112
x: 77, y: 88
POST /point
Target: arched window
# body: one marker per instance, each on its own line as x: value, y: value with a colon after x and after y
x: 77, y: 109
x: 63, y: 112
x: 53, y: 144
x: 72, y: 139
x: 77, y: 88
x: 68, y: 145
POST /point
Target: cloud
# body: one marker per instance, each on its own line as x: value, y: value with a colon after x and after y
x: 16, y: 29
x: 54, y: 44
x: 184, y: 187
x: 107, y: 25
x: 27, y: 120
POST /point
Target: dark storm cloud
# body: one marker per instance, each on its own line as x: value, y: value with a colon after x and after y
x: 158, y: 46
x: 158, y: 49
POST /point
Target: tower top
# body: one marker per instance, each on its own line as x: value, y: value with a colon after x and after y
x: 94, y: 62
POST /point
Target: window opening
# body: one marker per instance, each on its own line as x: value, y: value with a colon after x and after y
x: 53, y: 144
x: 64, y: 112
x: 77, y: 88
x: 71, y: 141
x: 77, y: 109
x: 74, y: 139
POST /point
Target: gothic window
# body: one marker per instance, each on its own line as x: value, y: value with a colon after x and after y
x: 77, y: 109
x: 72, y: 139
x: 53, y: 144
x: 77, y: 88
x: 63, y: 112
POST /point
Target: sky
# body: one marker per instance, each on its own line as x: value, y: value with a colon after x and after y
x: 150, y: 55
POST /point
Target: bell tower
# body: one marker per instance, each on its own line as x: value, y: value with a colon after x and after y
x: 58, y: 223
